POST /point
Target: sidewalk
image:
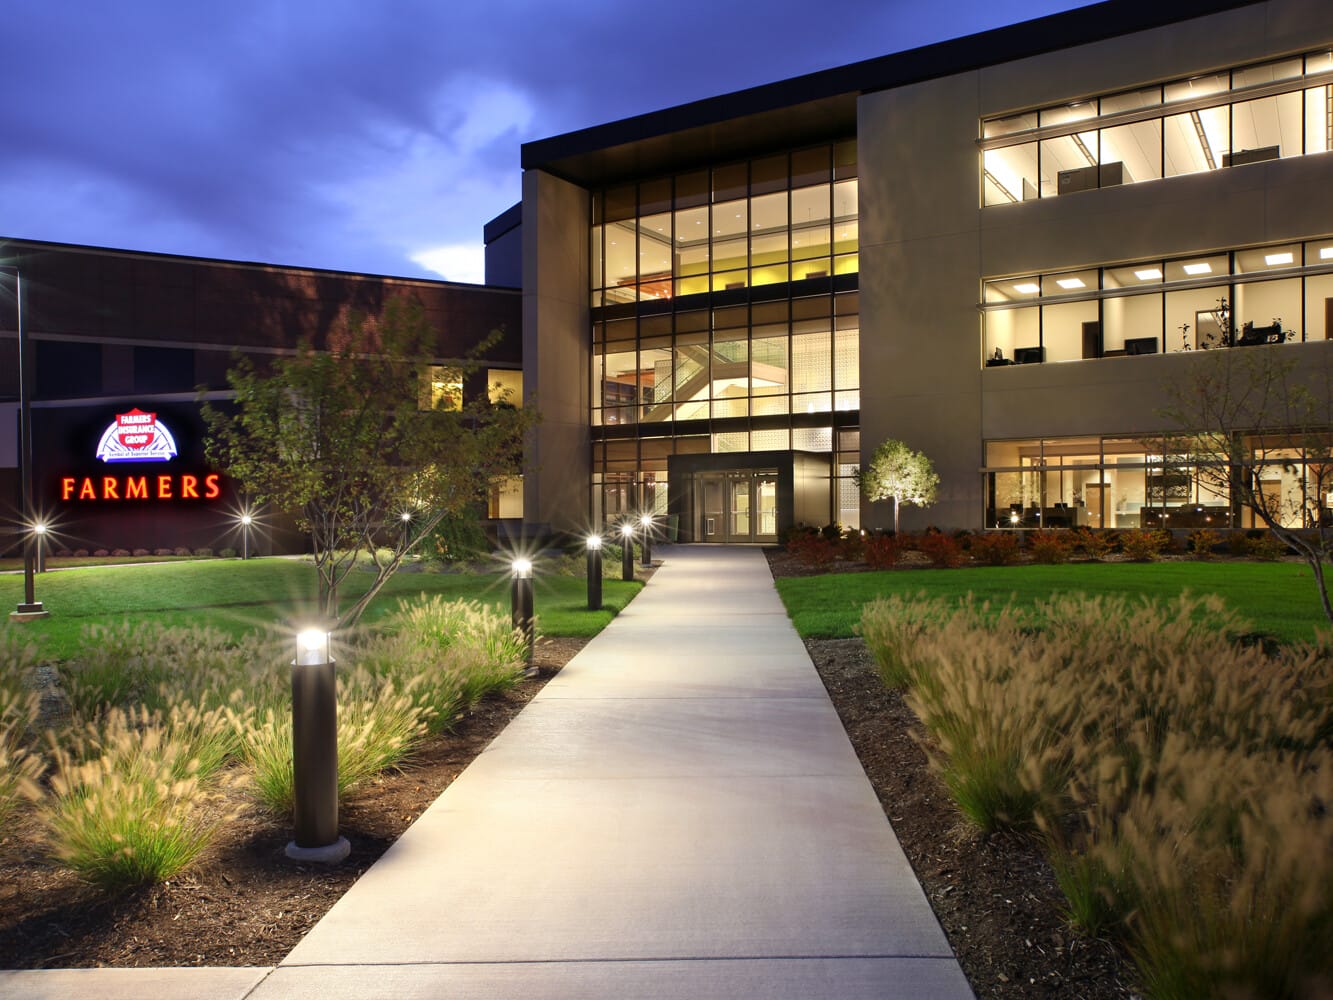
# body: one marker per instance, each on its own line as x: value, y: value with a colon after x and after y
x: 677, y: 814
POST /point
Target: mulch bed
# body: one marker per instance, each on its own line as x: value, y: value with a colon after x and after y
x: 248, y: 905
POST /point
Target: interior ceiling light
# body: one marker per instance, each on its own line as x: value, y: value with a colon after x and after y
x: 1275, y: 259
x: 1326, y: 253
x: 1149, y: 274
x: 1202, y: 268
x: 1069, y: 284
x: 1027, y: 287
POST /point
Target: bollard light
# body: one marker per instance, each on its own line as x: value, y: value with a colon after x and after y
x: 39, y: 529
x: 647, y: 522
x: 315, y: 752
x: 246, y: 520
x: 520, y: 604
x: 594, y: 572
x: 627, y: 553
x: 31, y: 607
x: 405, y: 518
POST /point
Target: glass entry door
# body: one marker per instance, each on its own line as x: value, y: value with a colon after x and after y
x: 736, y: 505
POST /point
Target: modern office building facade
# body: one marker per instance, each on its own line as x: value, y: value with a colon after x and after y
x: 1000, y: 249
x: 125, y: 346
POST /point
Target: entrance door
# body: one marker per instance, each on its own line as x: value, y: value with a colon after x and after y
x: 736, y: 505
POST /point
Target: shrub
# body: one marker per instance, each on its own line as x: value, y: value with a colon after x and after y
x: 132, y: 813
x: 1141, y: 546
x: 1096, y: 545
x: 62, y: 553
x: 161, y: 553
x: 378, y: 726
x: 1203, y: 543
x: 1050, y: 547
x: 853, y: 547
x: 943, y: 551
x: 227, y: 553
x: 19, y: 707
x: 813, y: 550
x: 1267, y: 547
x: 456, y: 539
x: 122, y: 553
x: 1184, y: 797
x: 204, y: 553
x: 81, y: 553
x: 101, y: 553
x: 881, y: 551
x: 181, y: 550
x: 831, y: 531
x: 998, y: 548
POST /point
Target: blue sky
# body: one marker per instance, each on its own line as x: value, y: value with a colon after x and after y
x: 370, y: 136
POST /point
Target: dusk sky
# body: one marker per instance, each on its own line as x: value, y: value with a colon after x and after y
x: 370, y: 136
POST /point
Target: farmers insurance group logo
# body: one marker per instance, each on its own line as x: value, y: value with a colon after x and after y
x: 136, y: 437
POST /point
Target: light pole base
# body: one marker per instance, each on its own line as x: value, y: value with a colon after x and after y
x: 329, y: 854
x: 27, y: 612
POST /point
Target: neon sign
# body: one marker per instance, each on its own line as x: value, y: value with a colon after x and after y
x: 136, y: 437
x: 169, y: 487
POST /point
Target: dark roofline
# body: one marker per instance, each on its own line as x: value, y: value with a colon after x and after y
x: 507, y: 220
x: 575, y: 155
x: 9, y: 243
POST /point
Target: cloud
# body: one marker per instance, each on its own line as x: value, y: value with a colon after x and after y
x: 456, y: 262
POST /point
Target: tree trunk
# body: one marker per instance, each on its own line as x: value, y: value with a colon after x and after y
x: 895, y: 515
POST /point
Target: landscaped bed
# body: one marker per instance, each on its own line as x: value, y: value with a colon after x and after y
x: 1110, y: 768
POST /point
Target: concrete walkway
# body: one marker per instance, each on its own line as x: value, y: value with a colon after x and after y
x: 678, y: 814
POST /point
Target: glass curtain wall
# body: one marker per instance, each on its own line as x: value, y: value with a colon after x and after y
x: 1217, y: 120
x: 1280, y: 293
x: 1139, y: 482
x: 725, y: 319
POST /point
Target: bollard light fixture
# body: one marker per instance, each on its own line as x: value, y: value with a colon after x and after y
x: 247, y: 519
x: 520, y: 605
x: 31, y: 607
x: 594, y: 543
x: 627, y: 553
x: 647, y: 522
x: 315, y: 752
x: 39, y: 529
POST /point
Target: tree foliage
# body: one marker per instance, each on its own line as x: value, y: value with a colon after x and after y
x: 1246, y: 414
x: 896, y: 471
x: 349, y: 440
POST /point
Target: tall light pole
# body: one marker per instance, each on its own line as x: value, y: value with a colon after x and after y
x: 31, y: 607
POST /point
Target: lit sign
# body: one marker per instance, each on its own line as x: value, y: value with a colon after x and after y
x: 180, y: 487
x: 136, y: 437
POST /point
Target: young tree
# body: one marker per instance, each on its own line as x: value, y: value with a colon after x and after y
x: 897, y: 471
x: 352, y: 438
x: 1248, y: 415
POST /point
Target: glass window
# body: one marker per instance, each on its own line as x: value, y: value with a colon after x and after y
x: 620, y: 387
x: 1254, y: 76
x: 1010, y: 174
x: 441, y: 388
x: 1197, y: 268
x: 1196, y: 141
x: 1131, y: 317
x: 1007, y: 126
x: 810, y: 216
x: 1319, y: 119
x: 1132, y: 100
x: 1197, y: 318
x: 504, y: 386
x: 810, y: 166
x: 691, y: 375
x: 731, y: 229
x: 730, y: 372
x: 1319, y: 307
x: 655, y: 253
x: 769, y: 367
x: 595, y: 258
x: 730, y: 183
x: 1013, y: 335
x: 655, y: 378
x: 1268, y: 311
x: 1069, y: 164
x: 1137, y: 148
x: 1199, y: 86
x: 1076, y: 112
x: 621, y: 272
x: 1065, y: 331
x: 1259, y: 128
x: 768, y: 239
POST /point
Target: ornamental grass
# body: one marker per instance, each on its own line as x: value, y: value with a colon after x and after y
x: 1181, y: 779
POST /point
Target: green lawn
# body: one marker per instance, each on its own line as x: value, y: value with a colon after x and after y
x: 1277, y: 598
x: 238, y: 596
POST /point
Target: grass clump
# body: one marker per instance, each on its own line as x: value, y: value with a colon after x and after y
x: 1181, y: 779
x: 127, y: 805
x: 20, y: 705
